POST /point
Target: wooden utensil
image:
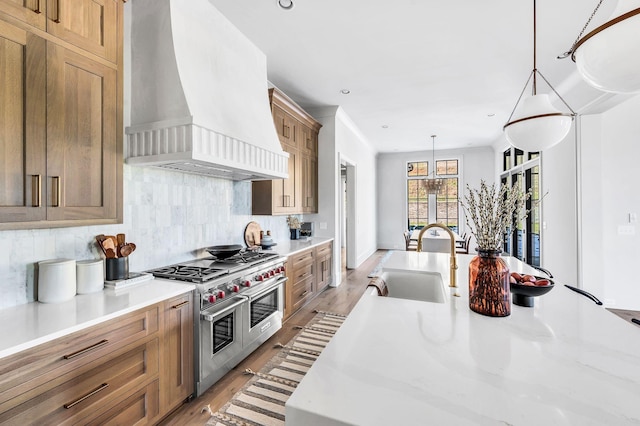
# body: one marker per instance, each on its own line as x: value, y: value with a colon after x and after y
x: 126, y: 250
x: 110, y: 253
x: 100, y: 239
x: 109, y: 244
x: 120, y: 242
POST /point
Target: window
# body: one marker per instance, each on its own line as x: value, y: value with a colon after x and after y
x: 444, y: 206
x: 524, y: 241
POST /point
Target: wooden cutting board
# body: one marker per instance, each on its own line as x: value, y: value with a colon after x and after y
x: 252, y: 234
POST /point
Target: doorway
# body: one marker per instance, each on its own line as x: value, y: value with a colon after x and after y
x: 347, y: 216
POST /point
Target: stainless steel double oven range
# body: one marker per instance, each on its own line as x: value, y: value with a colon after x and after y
x: 241, y: 306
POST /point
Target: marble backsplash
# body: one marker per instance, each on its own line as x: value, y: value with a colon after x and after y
x: 170, y: 216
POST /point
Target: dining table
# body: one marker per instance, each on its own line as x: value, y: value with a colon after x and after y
x: 436, y: 240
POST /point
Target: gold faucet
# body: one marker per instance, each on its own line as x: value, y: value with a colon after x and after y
x: 453, y: 261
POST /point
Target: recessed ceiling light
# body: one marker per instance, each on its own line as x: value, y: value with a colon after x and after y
x: 285, y: 4
x: 384, y: 126
x: 345, y: 91
x: 491, y: 115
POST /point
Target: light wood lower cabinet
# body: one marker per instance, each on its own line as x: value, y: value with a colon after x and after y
x: 308, y: 272
x: 176, y: 378
x: 324, y: 265
x: 133, y: 369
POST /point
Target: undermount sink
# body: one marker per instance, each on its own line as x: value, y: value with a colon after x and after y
x: 415, y: 285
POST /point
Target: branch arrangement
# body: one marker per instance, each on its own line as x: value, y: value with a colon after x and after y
x: 489, y: 212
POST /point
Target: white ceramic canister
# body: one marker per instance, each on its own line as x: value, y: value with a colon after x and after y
x: 89, y: 276
x: 56, y: 280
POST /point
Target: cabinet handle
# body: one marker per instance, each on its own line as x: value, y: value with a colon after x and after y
x: 89, y: 395
x: 57, y: 199
x: 37, y: 9
x: 57, y: 20
x: 36, y: 190
x: 304, y: 293
x: 180, y: 305
x: 87, y: 349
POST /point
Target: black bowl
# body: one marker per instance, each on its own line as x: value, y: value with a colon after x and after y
x: 222, y: 252
x: 523, y: 294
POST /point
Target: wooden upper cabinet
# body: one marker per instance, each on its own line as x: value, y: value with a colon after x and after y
x: 89, y: 24
x: 298, y: 134
x: 81, y: 137
x: 32, y: 12
x: 285, y: 126
x: 22, y: 126
x: 61, y: 124
x: 309, y: 180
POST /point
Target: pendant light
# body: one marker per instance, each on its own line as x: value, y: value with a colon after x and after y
x: 608, y: 58
x: 537, y: 125
x: 432, y: 184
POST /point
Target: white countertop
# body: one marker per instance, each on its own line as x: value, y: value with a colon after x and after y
x: 28, y: 325
x: 565, y: 361
x: 289, y: 247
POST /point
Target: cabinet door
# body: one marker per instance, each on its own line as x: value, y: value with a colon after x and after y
x: 177, y: 362
x: 89, y: 24
x: 33, y: 12
x: 285, y: 126
x: 81, y: 137
x: 22, y: 125
x: 309, y: 183
x: 308, y: 142
x: 285, y: 191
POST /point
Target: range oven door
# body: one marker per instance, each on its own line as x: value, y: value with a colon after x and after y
x: 265, y: 310
x: 221, y: 348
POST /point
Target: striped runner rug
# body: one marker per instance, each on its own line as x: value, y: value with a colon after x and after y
x: 261, y: 401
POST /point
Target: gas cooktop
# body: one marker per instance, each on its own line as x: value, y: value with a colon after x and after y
x: 206, y: 269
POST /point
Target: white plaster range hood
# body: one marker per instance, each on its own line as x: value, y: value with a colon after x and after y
x: 199, y: 100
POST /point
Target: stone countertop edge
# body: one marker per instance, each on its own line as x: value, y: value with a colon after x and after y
x: 31, y: 324
x: 396, y: 361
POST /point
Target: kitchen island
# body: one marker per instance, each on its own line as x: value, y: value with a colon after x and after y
x: 396, y: 361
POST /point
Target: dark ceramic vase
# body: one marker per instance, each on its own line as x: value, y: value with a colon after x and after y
x: 295, y: 233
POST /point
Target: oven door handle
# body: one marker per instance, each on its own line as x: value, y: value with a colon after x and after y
x: 266, y: 290
x: 211, y: 317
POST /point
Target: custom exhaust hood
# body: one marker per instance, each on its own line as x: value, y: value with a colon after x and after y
x: 199, y: 95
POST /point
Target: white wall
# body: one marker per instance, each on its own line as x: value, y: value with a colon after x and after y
x: 340, y: 138
x: 610, y: 150
x: 475, y: 164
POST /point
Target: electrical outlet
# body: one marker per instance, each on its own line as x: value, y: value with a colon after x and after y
x: 633, y: 218
x: 626, y: 230
x: 323, y: 225
x: 610, y: 302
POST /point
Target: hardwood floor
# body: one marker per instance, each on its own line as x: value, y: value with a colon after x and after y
x: 339, y: 299
x: 626, y: 314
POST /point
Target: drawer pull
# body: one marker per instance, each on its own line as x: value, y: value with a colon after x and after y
x: 36, y: 190
x: 57, y: 20
x: 304, y: 293
x: 89, y: 395
x: 87, y: 349
x: 37, y: 9
x: 56, y: 203
x: 180, y: 305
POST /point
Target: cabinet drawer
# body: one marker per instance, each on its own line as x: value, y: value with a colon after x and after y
x: 324, y: 250
x: 29, y: 369
x: 301, y: 259
x: 301, y: 292
x: 302, y: 273
x: 137, y: 408
x: 69, y: 398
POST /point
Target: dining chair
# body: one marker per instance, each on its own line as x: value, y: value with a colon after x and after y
x: 460, y: 244
x: 464, y: 247
x: 410, y: 245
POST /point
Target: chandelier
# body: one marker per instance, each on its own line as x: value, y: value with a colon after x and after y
x: 608, y: 58
x: 537, y: 125
x: 432, y: 184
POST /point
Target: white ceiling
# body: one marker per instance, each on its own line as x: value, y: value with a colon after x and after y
x: 420, y: 67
